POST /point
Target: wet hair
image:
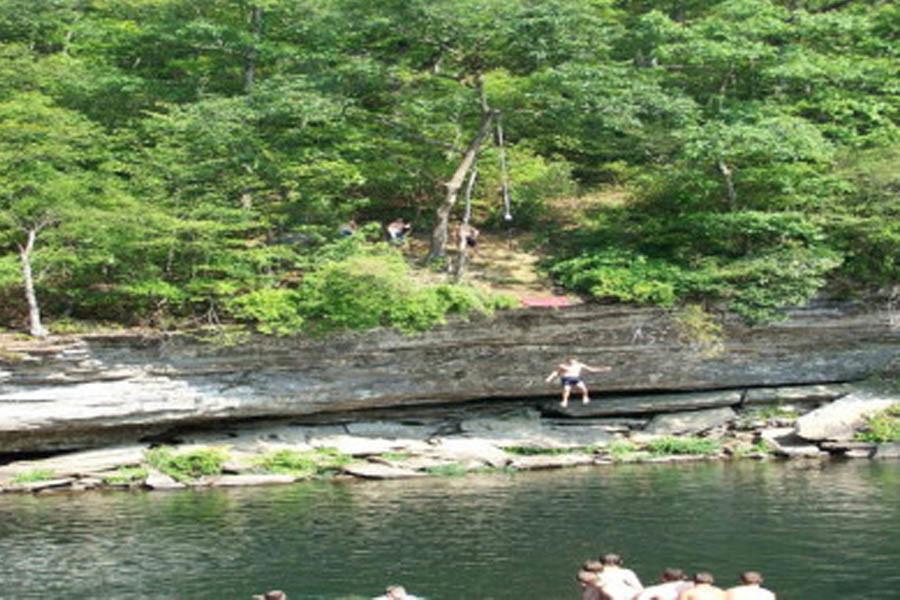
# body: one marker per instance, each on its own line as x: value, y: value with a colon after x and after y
x: 704, y: 577
x: 673, y: 574
x: 395, y: 589
x: 751, y: 577
x: 594, y: 566
x: 275, y: 595
x: 586, y: 576
x: 613, y: 560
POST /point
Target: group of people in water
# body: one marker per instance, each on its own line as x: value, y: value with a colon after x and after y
x: 608, y: 579
x: 393, y: 592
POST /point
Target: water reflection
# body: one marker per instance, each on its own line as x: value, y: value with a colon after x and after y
x: 817, y: 533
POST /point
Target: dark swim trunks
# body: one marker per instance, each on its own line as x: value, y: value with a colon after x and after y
x: 570, y: 380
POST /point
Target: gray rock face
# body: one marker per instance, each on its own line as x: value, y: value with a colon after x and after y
x: 796, y: 393
x: 840, y: 419
x: 696, y: 421
x: 98, y: 389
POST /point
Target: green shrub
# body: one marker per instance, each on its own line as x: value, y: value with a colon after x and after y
x: 683, y: 445
x: 187, y: 466
x: 126, y: 475
x: 322, y: 461
x: 376, y: 290
x: 273, y: 310
x: 883, y: 427
x: 33, y: 476
x: 622, y: 450
x: 533, y: 451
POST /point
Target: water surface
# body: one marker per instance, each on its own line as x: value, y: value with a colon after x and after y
x: 816, y: 532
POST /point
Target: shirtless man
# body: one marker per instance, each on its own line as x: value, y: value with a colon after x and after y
x: 703, y: 589
x: 673, y: 583
x: 750, y: 588
x: 616, y: 581
x: 468, y: 235
x: 569, y: 374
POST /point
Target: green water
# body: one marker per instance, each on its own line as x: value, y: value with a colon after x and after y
x: 815, y: 532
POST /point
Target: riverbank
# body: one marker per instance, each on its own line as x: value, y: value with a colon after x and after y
x: 797, y: 422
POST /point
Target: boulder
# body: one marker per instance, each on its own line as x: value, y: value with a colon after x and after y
x: 841, y: 419
x: 784, y: 442
x: 692, y: 422
x: 371, y: 470
x: 465, y: 450
x: 550, y: 461
x: 160, y: 481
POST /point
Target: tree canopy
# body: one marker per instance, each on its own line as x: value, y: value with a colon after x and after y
x: 168, y: 161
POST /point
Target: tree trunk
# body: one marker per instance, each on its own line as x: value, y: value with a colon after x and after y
x: 34, y: 312
x: 729, y: 184
x: 250, y: 57
x: 462, y: 247
x: 439, y: 234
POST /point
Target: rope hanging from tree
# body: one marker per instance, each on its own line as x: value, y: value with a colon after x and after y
x: 504, y: 174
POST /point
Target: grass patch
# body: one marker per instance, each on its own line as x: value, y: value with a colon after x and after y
x: 395, y: 456
x: 187, y: 466
x: 311, y: 463
x: 448, y: 470
x: 670, y: 445
x: 777, y: 411
x: 125, y: 475
x: 533, y: 451
x: 882, y: 427
x: 34, y: 476
x: 623, y: 451
x: 745, y: 450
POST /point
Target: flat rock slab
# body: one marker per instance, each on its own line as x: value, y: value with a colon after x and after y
x: 371, y: 470
x: 160, y: 481
x: 638, y: 405
x: 465, y: 450
x: 78, y: 463
x: 842, y: 418
x: 797, y: 393
x: 784, y: 442
x: 37, y: 486
x: 246, y: 480
x: 887, y: 451
x: 696, y: 421
x: 559, y: 461
x: 390, y: 430
x: 361, y: 446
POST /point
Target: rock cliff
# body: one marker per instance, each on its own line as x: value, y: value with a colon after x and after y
x: 96, y: 389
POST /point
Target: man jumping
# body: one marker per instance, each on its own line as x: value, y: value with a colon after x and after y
x: 569, y: 374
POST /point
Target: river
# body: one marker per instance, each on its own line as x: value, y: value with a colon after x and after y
x: 816, y: 531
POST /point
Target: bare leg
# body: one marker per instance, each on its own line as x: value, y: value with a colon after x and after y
x: 584, y: 393
x: 567, y: 389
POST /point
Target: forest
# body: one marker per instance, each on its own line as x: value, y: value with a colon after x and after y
x: 177, y: 163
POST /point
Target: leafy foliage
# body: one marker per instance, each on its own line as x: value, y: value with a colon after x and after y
x: 319, y: 462
x: 189, y: 465
x: 190, y: 162
x: 883, y: 427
